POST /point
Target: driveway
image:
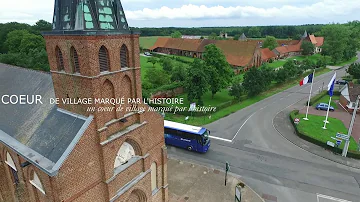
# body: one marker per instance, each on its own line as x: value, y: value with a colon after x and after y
x: 340, y: 114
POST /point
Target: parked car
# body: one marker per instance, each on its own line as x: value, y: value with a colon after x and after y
x: 323, y: 106
x: 341, y: 82
x: 147, y: 54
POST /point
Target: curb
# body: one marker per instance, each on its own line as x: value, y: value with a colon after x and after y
x: 358, y: 168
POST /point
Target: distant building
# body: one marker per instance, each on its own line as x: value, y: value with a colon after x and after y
x: 223, y: 35
x: 242, y: 37
x: 241, y: 55
x: 190, y: 37
x: 348, y: 95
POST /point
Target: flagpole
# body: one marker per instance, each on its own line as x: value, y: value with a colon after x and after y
x: 307, y: 110
x: 327, y: 114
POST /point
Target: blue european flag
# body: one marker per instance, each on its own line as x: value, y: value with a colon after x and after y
x: 331, y: 85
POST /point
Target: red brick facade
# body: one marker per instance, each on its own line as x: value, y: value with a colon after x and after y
x: 88, y: 173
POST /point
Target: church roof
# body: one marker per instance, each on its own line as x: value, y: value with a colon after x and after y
x: 41, y: 133
x: 89, y: 17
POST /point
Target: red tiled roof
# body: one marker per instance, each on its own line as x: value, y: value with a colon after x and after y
x: 289, y: 48
x: 160, y: 42
x: 319, y: 40
x: 238, y: 53
x: 190, y: 44
x: 266, y: 54
x: 312, y: 39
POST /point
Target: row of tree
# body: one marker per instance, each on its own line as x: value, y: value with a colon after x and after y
x: 253, y: 32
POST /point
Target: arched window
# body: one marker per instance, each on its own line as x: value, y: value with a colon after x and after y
x: 153, y: 176
x: 125, y: 153
x: 59, y: 59
x: 13, y: 171
x: 35, y: 181
x: 124, y: 56
x: 75, y: 60
x: 104, y: 59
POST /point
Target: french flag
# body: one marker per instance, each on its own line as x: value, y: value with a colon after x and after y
x: 307, y: 79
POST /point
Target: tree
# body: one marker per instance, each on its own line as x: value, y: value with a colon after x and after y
x: 236, y: 37
x: 197, y: 81
x: 281, y: 75
x: 256, y: 80
x: 254, y: 32
x: 218, y: 68
x: 213, y: 36
x: 336, y: 41
x: 157, y: 77
x: 270, y: 42
x: 166, y: 64
x: 42, y: 25
x: 237, y: 90
x: 307, y: 48
x: 201, y: 37
x: 253, y: 83
x: 176, y: 34
x: 152, y: 60
x: 179, y: 73
x: 354, y: 70
x: 13, y: 40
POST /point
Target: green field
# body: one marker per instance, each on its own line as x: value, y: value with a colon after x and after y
x: 147, y: 41
x: 347, y: 62
x: 325, y: 99
x: 145, y: 66
x: 313, y: 128
x: 276, y: 64
x: 280, y: 63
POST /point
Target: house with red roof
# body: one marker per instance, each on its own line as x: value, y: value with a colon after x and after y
x: 241, y: 55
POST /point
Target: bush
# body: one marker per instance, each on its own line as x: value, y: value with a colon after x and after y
x: 351, y: 154
x: 317, y: 97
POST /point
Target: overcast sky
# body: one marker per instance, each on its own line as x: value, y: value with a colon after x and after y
x: 197, y: 13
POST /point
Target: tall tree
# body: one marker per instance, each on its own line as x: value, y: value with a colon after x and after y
x: 307, y: 48
x: 270, y: 42
x: 257, y: 80
x: 176, y: 34
x: 197, y: 81
x: 237, y: 90
x: 166, y: 64
x: 354, y: 70
x: 336, y: 41
x: 218, y: 68
x: 236, y: 37
x: 254, y: 32
x: 179, y: 73
x: 157, y: 77
x: 41, y: 26
x: 13, y: 40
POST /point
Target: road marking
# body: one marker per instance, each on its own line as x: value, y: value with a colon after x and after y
x: 243, y: 125
x: 219, y: 138
x: 330, y: 197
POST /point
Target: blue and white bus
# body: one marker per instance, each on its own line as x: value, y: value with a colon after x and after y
x: 186, y: 136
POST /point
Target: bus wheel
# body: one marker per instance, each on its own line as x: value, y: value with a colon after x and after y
x: 189, y: 148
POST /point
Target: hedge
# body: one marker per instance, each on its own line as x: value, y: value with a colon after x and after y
x: 351, y: 154
x: 172, y: 57
x: 317, y: 97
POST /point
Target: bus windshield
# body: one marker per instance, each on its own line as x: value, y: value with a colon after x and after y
x: 205, y: 136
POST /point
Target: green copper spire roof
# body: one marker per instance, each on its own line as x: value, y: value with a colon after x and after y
x: 89, y: 16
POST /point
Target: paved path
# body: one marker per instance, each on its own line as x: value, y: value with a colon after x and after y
x: 189, y: 182
x: 270, y: 163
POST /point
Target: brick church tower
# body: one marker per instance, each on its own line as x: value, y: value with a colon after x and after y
x: 82, y: 155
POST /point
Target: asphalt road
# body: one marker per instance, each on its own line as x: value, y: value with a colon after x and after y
x: 270, y: 164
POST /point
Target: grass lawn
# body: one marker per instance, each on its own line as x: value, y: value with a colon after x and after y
x: 148, y: 41
x: 347, y: 62
x: 189, y: 59
x: 145, y: 66
x: 313, y: 128
x: 276, y: 64
x: 198, y: 121
x: 325, y: 99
